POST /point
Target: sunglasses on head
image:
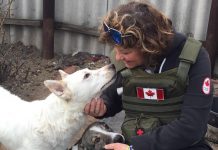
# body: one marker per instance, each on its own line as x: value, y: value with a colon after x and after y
x: 115, y: 34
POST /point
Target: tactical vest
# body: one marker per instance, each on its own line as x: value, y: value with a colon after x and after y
x: 144, y: 114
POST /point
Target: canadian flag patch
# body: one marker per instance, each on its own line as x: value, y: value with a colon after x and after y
x: 150, y: 93
x: 206, y: 86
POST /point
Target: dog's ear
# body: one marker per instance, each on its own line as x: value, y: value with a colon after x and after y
x: 63, y: 74
x: 59, y: 89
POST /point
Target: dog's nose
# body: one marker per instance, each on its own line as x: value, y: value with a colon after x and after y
x: 111, y: 66
x: 119, y: 138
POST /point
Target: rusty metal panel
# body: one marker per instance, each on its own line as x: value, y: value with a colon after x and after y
x: 189, y: 17
x: 86, y: 13
x: 26, y: 9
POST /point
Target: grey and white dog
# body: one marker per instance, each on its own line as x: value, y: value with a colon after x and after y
x: 96, y: 136
x: 212, y: 130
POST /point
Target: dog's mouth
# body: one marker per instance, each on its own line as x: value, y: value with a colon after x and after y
x: 109, y: 82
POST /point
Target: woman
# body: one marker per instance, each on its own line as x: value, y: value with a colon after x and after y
x: 165, y: 79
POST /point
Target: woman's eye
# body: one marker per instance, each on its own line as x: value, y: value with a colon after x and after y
x: 86, y: 75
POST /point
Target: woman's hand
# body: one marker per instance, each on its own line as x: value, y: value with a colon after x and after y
x: 95, y: 108
x: 117, y: 146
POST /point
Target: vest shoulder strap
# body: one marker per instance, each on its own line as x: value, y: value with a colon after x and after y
x: 187, y: 57
x: 190, y: 50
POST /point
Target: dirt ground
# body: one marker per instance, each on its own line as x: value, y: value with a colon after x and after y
x: 22, y: 70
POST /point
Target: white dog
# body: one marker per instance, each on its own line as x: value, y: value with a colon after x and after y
x: 50, y: 124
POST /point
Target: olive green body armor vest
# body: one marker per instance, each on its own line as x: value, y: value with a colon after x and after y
x: 152, y: 100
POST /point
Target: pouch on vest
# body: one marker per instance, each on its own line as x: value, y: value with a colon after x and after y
x: 138, y: 126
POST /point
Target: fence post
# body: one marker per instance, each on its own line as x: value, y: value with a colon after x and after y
x: 212, y: 34
x: 48, y: 29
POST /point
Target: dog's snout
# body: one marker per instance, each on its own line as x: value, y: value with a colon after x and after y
x: 119, y: 139
x: 111, y: 66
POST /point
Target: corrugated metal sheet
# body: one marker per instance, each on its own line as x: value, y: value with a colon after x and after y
x: 26, y: 9
x: 86, y: 13
x: 189, y: 17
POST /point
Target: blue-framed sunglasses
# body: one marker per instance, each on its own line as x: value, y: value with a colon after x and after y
x: 115, y: 34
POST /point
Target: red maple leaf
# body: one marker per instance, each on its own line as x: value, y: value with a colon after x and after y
x: 207, y: 83
x: 140, y: 132
x: 150, y: 93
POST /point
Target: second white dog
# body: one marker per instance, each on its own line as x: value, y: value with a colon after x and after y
x: 50, y: 124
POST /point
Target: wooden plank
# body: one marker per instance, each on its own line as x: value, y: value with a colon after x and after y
x: 76, y: 29
x: 48, y: 29
x: 211, y: 43
x: 23, y: 22
x: 57, y: 26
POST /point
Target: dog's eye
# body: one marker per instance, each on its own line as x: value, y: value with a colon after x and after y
x: 96, y: 139
x: 86, y: 75
x: 106, y: 126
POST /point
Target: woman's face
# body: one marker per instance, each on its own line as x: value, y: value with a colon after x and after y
x: 131, y: 57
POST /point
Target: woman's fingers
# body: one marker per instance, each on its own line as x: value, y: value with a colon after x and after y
x: 95, y: 108
x: 117, y: 146
x: 103, y: 109
x: 87, y: 108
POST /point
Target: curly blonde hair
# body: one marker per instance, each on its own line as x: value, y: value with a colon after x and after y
x: 150, y: 30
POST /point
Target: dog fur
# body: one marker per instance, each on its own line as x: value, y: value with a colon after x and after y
x: 96, y: 136
x: 50, y: 124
